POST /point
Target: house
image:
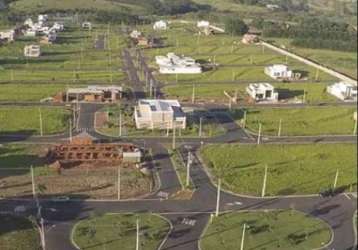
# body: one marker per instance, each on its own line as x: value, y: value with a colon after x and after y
x: 279, y: 72
x: 250, y: 39
x: 135, y: 34
x: 8, y: 35
x: 160, y: 25
x: 87, y: 26
x: 159, y: 114
x: 93, y: 94
x: 206, y: 28
x: 344, y: 91
x: 148, y: 42
x: 173, y: 64
x: 30, y: 33
x: 262, y: 92
x: 272, y: 7
x: 32, y: 51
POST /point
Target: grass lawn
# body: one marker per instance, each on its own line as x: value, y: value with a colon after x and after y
x: 299, y: 121
x: 292, y: 169
x: 315, y: 92
x: 18, y: 233
x: 210, y: 127
x: 113, y: 230
x: 72, y: 58
x: 345, y: 62
x: 26, y: 120
x: 266, y: 230
x: 238, y: 62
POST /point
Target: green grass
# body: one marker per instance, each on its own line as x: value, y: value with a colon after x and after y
x: 180, y: 169
x: 113, y: 230
x: 14, y: 156
x: 345, y: 62
x: 29, y: 92
x: 43, y: 6
x: 315, y: 92
x: 71, y: 58
x: 26, y: 120
x: 210, y: 128
x: 292, y: 169
x: 299, y: 121
x: 18, y: 233
x: 266, y: 230
x: 247, y: 62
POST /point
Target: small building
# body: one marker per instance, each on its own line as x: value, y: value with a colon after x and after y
x: 250, y: 39
x: 135, y: 34
x: 8, y: 35
x: 262, y: 92
x: 32, y: 51
x: 344, y: 91
x: 86, y: 26
x: 30, y: 33
x: 94, y: 94
x: 148, y: 42
x: 173, y: 64
x: 272, y: 7
x: 203, y: 24
x: 160, y: 25
x: 279, y: 72
x: 159, y: 114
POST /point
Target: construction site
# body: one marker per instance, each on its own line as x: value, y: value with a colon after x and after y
x: 83, y: 151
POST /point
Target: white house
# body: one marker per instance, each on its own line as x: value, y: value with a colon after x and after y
x: 30, y: 33
x: 32, y: 51
x: 279, y: 71
x: 87, y: 25
x: 262, y: 92
x: 135, y: 34
x: 159, y: 114
x: 8, y: 35
x: 173, y: 64
x: 203, y: 24
x: 344, y: 91
x: 160, y: 25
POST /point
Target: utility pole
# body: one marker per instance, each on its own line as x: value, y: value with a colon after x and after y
x: 188, y: 170
x: 259, y: 136
x: 43, y: 242
x: 304, y: 96
x: 70, y: 130
x: 279, y: 128
x: 245, y: 116
x: 200, y: 126
x: 336, y: 179
x: 41, y: 127
x: 137, y: 241
x: 120, y: 123
x: 33, y: 183
x: 264, y: 183
x: 355, y: 127
x: 193, y: 95
x: 218, y: 199
x: 174, y: 136
x: 119, y: 183
x: 243, y: 237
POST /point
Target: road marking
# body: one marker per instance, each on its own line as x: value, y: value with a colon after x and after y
x: 346, y: 195
x: 188, y: 222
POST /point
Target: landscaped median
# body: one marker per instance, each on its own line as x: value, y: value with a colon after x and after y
x: 18, y: 233
x: 269, y: 230
x: 118, y: 231
x: 299, y: 121
x: 30, y: 120
x: 291, y: 169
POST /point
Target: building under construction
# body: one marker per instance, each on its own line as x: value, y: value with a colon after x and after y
x: 83, y: 151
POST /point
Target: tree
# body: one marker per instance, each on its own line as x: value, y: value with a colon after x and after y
x: 236, y: 26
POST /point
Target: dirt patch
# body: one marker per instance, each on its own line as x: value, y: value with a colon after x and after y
x: 102, y: 119
x: 92, y: 183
